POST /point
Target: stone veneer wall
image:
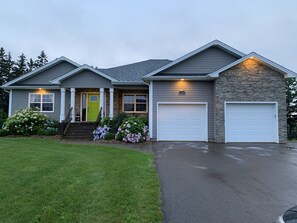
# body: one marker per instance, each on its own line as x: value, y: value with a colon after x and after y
x: 249, y: 81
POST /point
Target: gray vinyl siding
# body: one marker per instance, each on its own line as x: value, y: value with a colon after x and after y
x: 20, y: 100
x: 205, y: 62
x: 86, y: 79
x: 196, y: 91
x: 46, y: 76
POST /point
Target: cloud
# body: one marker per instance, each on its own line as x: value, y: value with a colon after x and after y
x: 110, y: 33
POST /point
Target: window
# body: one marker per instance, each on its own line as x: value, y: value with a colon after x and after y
x: 135, y: 103
x: 45, y: 102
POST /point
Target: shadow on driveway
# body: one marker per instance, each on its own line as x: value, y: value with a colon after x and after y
x: 214, y: 183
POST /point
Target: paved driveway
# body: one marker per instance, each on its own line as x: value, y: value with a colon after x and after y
x: 215, y: 183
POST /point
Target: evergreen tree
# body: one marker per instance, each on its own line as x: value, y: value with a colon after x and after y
x: 31, y: 65
x: 291, y: 100
x: 20, y: 66
x: 6, y: 65
x: 41, y: 59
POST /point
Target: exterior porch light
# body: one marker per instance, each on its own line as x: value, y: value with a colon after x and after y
x: 182, y: 79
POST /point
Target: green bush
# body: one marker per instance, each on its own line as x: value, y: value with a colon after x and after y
x: 109, y: 136
x: 47, y: 132
x: 3, y: 132
x: 106, y: 121
x: 28, y: 122
x: 117, y: 121
x: 3, y: 117
x: 133, y: 130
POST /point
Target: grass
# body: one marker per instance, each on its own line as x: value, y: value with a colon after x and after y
x: 44, y: 180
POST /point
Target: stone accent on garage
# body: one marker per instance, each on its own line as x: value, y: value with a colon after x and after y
x: 249, y: 81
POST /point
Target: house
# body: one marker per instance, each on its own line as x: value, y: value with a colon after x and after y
x: 214, y: 93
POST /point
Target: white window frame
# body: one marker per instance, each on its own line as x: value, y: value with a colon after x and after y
x: 53, y: 94
x: 135, y: 94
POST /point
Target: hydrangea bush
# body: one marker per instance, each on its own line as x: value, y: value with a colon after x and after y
x: 100, y: 132
x: 28, y: 122
x: 133, y: 130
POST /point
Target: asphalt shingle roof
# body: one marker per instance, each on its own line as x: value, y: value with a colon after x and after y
x: 134, y: 71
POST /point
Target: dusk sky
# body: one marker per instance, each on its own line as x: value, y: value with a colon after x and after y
x: 112, y: 33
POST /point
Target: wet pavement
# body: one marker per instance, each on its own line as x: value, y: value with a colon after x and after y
x: 215, y: 183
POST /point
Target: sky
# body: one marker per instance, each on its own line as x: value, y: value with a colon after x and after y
x: 113, y: 32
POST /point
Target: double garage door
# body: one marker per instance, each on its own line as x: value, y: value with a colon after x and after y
x: 244, y: 122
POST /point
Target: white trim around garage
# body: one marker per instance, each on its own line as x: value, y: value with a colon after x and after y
x: 184, y: 103
x: 252, y: 102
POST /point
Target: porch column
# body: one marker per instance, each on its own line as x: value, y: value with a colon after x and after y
x: 111, y: 102
x: 62, y: 107
x: 102, y: 101
x: 72, y: 103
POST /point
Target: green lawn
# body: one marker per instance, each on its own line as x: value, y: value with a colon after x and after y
x: 47, y: 181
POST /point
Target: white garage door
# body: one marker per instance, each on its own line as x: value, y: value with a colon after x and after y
x: 183, y: 122
x: 251, y: 122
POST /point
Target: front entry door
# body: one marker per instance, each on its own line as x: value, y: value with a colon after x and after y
x: 93, y: 106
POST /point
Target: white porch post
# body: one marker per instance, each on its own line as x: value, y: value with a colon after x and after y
x: 62, y: 106
x: 10, y: 103
x: 151, y: 109
x: 111, y: 102
x: 102, y: 101
x: 72, y: 103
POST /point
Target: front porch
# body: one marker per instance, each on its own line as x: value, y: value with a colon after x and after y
x: 87, y: 102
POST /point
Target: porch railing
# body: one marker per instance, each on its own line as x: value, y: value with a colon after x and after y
x: 67, y: 121
x: 98, y: 120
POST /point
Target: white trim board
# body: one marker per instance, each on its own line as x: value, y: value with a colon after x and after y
x: 252, y: 102
x: 183, y: 103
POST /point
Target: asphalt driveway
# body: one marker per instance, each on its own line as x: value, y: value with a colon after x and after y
x: 215, y: 183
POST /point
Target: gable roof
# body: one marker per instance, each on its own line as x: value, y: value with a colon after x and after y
x: 78, y: 70
x: 135, y: 71
x: 40, y: 69
x: 265, y: 61
x: 215, y: 43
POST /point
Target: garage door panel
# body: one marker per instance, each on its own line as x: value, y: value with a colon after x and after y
x: 182, y: 122
x: 250, y: 122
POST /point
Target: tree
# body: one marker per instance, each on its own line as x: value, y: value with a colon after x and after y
x: 6, y: 66
x: 41, y: 59
x: 20, y: 67
x: 31, y: 65
x: 291, y: 100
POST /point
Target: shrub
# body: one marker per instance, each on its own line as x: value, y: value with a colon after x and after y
x: 117, y: 121
x: 3, y: 132
x: 28, y: 122
x: 47, y: 132
x: 3, y: 117
x: 133, y: 130
x: 100, y: 132
x: 110, y: 136
x: 106, y: 121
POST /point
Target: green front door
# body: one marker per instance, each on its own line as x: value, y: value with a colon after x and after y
x: 93, y: 106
